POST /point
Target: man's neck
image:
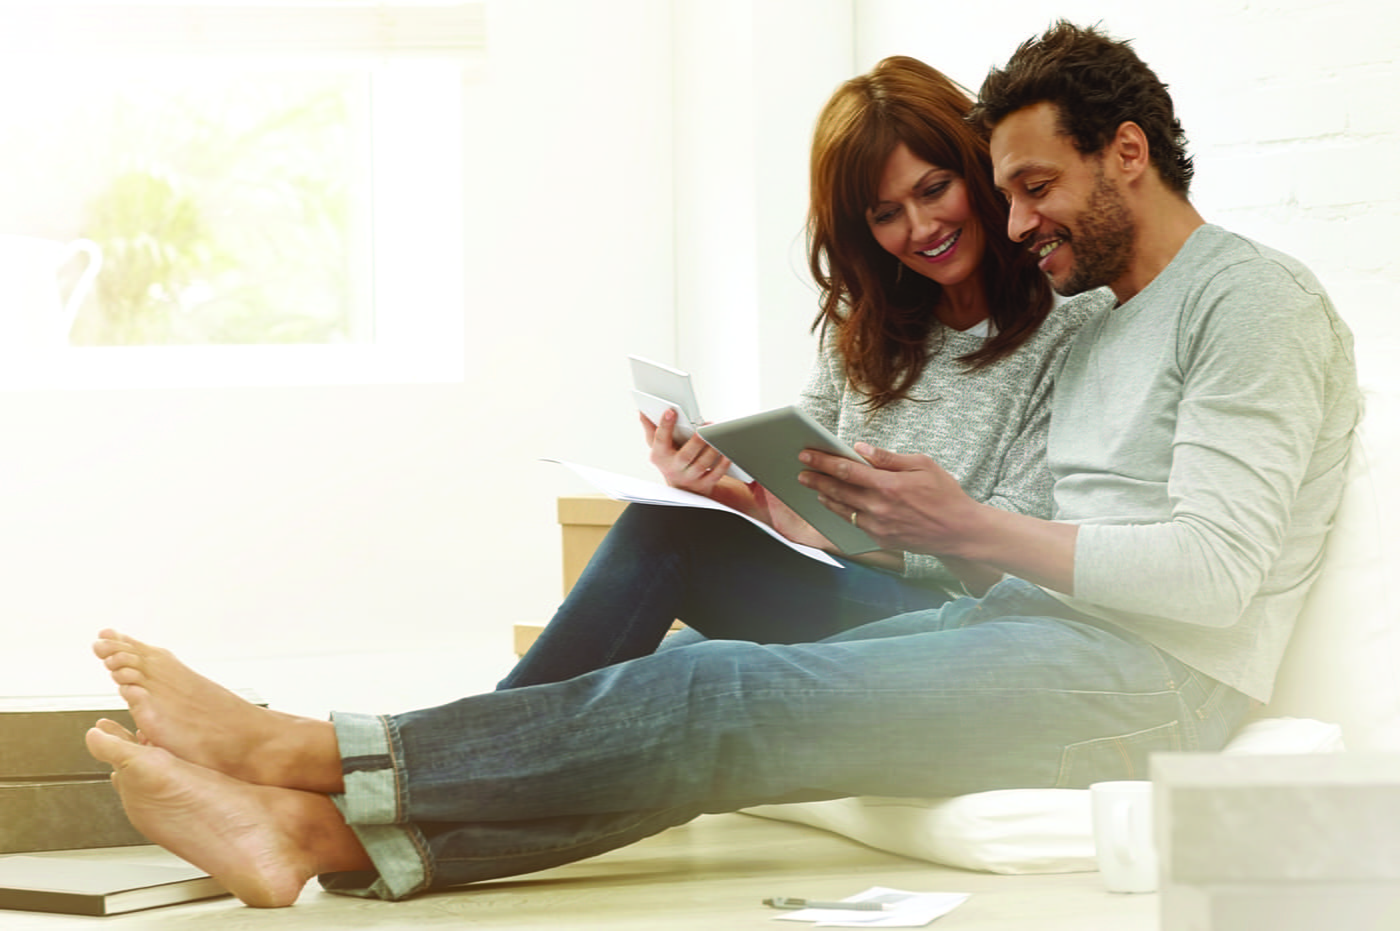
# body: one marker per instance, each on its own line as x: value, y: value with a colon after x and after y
x: 1164, y: 225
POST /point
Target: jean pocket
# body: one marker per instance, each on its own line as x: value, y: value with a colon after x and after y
x: 1217, y: 715
x: 1123, y: 756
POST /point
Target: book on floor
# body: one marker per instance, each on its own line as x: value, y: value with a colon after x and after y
x: 54, y: 795
x: 85, y: 886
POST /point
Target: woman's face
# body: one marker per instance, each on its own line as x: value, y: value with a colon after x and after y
x: 923, y: 218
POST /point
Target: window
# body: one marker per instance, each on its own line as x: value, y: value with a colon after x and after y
x: 235, y: 192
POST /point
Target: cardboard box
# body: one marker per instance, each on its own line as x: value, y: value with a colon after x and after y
x: 584, y: 521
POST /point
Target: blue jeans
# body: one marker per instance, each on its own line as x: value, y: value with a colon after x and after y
x: 1010, y: 690
x: 723, y: 577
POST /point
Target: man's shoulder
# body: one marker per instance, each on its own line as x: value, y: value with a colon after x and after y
x: 1215, y: 254
x: 1221, y: 278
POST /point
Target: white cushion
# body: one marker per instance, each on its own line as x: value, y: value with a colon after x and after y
x: 1012, y: 830
x: 1341, y: 661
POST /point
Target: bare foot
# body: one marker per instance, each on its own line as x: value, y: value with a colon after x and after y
x: 204, y: 723
x: 262, y: 844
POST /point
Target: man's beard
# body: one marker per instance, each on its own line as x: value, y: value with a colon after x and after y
x: 1102, y: 243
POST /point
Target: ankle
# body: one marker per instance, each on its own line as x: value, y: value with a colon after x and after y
x: 305, y: 755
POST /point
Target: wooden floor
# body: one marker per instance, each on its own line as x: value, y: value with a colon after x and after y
x: 710, y: 874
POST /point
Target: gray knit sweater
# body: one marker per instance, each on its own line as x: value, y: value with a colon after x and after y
x: 1200, y: 438
x: 986, y: 427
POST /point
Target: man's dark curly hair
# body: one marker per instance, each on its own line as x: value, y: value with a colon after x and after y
x: 1096, y: 84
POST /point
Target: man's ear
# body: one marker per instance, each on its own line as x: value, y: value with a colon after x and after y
x: 1129, y: 151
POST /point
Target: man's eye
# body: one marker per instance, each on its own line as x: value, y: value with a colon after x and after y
x: 1036, y: 190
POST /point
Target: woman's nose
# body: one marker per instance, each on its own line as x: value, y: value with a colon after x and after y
x: 924, y: 223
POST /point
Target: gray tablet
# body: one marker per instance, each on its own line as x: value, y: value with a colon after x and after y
x: 766, y: 446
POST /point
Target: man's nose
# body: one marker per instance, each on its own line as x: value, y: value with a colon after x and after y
x: 1020, y: 221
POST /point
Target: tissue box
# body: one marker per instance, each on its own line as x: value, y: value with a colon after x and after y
x: 1289, y: 843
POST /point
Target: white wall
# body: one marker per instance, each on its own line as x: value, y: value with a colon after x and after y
x: 1288, y: 106
x: 266, y: 522
x: 749, y: 80
x: 641, y: 183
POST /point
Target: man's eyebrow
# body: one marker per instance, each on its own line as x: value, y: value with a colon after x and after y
x: 1021, y: 171
x: 1026, y: 168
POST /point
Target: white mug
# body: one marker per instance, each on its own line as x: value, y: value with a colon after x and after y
x: 1123, y: 839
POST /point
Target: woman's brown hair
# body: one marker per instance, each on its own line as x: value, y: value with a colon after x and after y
x: 884, y: 319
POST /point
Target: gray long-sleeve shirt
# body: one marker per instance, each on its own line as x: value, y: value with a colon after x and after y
x: 1199, y: 436
x: 986, y: 427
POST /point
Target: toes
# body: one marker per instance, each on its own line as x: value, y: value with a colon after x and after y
x: 115, y: 729
x: 132, y: 693
x: 110, y: 748
x: 125, y: 674
x: 110, y: 641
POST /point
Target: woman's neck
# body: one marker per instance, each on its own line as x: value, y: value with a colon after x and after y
x: 964, y: 306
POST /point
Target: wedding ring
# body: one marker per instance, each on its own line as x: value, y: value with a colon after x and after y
x: 854, y: 515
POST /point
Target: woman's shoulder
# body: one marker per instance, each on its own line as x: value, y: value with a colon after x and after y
x: 1068, y: 315
x: 1074, y: 311
x: 1061, y: 326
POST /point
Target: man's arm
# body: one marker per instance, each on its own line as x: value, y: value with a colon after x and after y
x: 909, y: 502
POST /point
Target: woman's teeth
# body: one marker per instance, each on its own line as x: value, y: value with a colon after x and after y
x: 942, y: 247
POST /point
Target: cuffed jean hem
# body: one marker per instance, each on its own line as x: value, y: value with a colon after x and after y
x: 372, y: 806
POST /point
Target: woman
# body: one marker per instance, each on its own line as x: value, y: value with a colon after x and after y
x: 938, y: 337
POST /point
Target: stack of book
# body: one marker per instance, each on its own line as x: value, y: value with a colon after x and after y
x: 76, y: 886
x: 53, y: 794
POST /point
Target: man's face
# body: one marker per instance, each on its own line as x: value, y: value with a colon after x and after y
x: 1063, y: 207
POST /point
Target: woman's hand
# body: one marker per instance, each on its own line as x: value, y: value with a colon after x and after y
x: 693, y: 466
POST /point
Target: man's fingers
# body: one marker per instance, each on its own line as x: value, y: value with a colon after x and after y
x: 838, y: 467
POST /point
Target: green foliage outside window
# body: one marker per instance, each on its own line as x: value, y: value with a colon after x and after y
x: 230, y: 216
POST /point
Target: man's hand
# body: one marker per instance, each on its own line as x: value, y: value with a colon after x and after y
x: 909, y: 502
x: 906, y: 502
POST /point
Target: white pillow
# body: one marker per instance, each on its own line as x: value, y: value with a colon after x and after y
x: 1340, y: 664
x: 1012, y: 830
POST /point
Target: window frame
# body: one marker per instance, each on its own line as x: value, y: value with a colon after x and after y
x: 425, y: 59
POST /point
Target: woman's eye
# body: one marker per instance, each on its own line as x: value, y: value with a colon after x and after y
x: 936, y: 190
x: 884, y: 216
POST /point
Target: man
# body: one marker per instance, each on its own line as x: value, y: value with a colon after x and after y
x: 1200, y: 433
x: 1201, y: 426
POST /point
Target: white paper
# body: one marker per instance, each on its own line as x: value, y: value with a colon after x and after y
x: 626, y: 488
x: 906, y: 910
